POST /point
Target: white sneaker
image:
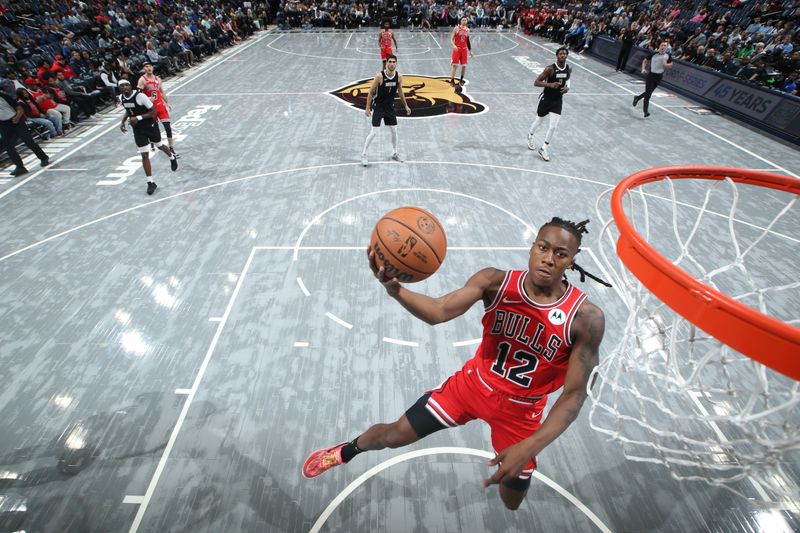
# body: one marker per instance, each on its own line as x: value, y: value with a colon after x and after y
x: 396, y: 157
x: 543, y: 153
x: 531, y: 142
x: 364, y: 161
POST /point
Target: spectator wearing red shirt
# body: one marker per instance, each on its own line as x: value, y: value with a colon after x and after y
x: 61, y: 65
x: 48, y: 106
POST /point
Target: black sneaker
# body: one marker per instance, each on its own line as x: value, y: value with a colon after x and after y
x: 19, y: 171
x: 174, y: 153
x: 151, y: 187
x: 173, y: 163
x: 646, y: 115
x: 45, y: 161
x: 635, y: 100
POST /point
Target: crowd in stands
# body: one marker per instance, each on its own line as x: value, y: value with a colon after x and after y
x: 63, y: 60
x: 754, y: 41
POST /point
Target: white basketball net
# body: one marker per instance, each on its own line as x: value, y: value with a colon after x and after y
x: 670, y: 393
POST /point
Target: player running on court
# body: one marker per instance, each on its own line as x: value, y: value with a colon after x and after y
x: 385, y: 39
x: 555, y: 80
x: 151, y: 85
x: 380, y: 103
x: 141, y: 113
x: 461, y: 46
x: 540, y: 333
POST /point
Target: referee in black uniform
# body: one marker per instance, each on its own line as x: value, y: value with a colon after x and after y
x: 12, y: 127
x: 657, y: 61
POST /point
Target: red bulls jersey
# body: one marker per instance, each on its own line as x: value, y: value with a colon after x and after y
x: 462, y: 36
x: 386, y: 39
x: 152, y: 88
x: 526, y: 345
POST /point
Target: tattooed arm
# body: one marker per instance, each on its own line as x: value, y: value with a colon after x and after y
x: 587, y: 328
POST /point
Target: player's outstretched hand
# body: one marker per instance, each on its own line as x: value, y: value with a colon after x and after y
x: 392, y: 285
x: 123, y: 128
x: 511, y: 463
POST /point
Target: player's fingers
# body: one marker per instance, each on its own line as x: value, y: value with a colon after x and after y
x: 496, y: 478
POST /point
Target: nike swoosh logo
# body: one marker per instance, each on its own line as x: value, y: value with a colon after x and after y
x: 507, y: 301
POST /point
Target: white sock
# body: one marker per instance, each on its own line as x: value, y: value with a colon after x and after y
x: 372, y: 133
x: 535, y: 125
x: 393, y: 131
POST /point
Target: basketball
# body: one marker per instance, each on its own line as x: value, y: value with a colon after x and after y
x: 409, y: 243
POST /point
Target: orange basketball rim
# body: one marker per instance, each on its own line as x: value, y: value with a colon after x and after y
x: 765, y: 339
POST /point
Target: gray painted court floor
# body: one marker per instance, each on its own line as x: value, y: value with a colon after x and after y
x: 169, y: 361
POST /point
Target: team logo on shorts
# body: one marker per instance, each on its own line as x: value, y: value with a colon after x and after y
x: 556, y: 317
x: 427, y: 96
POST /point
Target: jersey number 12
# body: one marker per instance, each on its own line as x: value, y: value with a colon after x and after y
x: 519, y: 374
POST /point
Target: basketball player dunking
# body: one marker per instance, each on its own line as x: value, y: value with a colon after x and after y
x: 380, y: 103
x: 385, y: 39
x: 461, y: 46
x: 555, y: 80
x: 539, y: 333
x: 150, y: 85
x: 141, y: 113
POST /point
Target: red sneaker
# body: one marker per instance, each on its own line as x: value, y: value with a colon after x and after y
x: 322, y: 460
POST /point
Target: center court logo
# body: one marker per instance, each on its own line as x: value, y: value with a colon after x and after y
x: 427, y: 96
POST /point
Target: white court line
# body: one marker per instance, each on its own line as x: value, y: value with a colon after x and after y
x: 470, y: 342
x: 114, y: 126
x: 676, y: 115
x: 516, y: 44
x: 66, y: 169
x: 439, y: 451
x: 400, y: 342
x: 334, y: 165
x: 435, y: 40
x: 364, y: 248
x: 301, y: 344
x: 133, y: 499
x: 215, y: 319
x: 538, y: 93
x: 338, y: 320
x: 183, y: 391
x: 303, y: 287
x: 348, y: 40
x: 252, y: 94
x: 189, y: 398
x: 723, y: 439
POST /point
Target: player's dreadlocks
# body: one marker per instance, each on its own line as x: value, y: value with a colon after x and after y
x: 577, y: 229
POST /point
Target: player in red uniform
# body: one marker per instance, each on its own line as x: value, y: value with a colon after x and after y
x: 461, y: 46
x: 539, y: 333
x: 385, y: 40
x: 150, y: 84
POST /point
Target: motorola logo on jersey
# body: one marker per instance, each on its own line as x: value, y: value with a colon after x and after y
x: 427, y: 96
x: 556, y: 317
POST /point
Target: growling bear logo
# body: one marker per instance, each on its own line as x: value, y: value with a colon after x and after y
x: 427, y: 96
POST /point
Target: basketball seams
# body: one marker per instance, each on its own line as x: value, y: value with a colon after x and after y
x: 389, y: 251
x: 412, y: 230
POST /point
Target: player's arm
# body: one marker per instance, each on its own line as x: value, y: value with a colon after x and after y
x: 372, y: 90
x: 567, y: 85
x: 124, y: 120
x: 645, y: 62
x: 140, y: 83
x: 444, y: 308
x: 588, y: 327
x: 668, y: 64
x: 453, y: 36
x: 541, y: 81
x: 469, y: 47
x: 395, y: 41
x: 402, y: 94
